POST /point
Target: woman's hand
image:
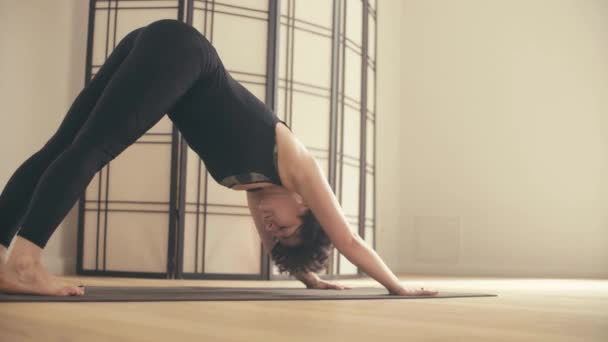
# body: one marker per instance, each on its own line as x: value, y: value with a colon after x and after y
x: 416, y: 292
x: 322, y: 284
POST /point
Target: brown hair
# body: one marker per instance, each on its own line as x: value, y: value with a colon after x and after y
x: 309, y: 256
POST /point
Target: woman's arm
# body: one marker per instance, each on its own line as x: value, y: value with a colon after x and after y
x: 309, y: 182
x: 301, y: 173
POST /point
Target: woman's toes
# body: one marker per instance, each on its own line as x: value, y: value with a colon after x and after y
x: 68, y: 291
x: 77, y: 291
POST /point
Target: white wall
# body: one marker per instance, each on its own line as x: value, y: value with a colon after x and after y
x: 504, y: 146
x: 42, y: 60
x: 388, y: 137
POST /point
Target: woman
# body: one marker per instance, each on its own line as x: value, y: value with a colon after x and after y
x: 168, y: 67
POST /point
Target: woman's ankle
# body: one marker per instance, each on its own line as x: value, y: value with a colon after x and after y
x: 23, y: 263
x: 25, y: 255
x: 25, y: 250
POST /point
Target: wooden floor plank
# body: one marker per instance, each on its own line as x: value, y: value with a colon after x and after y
x: 525, y: 310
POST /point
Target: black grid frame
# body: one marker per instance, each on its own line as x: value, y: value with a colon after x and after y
x: 177, y: 206
x: 342, y: 43
x: 207, y: 207
x: 101, y: 206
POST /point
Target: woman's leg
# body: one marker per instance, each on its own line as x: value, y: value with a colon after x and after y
x: 164, y: 63
x: 17, y: 192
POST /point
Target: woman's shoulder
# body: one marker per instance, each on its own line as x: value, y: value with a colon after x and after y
x: 291, y: 152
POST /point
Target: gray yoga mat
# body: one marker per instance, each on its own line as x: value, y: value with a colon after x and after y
x: 204, y: 293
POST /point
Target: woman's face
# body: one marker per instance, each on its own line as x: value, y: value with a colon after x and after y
x: 280, y: 211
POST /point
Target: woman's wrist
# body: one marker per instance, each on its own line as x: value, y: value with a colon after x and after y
x: 398, y: 289
x: 308, y: 278
x: 313, y: 280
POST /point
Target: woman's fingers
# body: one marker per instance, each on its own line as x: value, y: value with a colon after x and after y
x: 328, y: 285
x: 423, y: 292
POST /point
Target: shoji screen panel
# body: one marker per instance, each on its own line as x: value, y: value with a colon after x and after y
x: 321, y: 59
x: 348, y: 152
x: 305, y: 70
x: 303, y: 99
x: 325, y: 90
x: 125, y: 211
x: 220, y: 238
x: 370, y: 148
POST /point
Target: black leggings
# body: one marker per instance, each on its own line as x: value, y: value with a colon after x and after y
x: 150, y: 69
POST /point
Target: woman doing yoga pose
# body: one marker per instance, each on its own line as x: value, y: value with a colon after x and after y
x: 168, y: 67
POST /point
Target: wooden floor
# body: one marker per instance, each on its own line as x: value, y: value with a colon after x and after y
x: 525, y: 310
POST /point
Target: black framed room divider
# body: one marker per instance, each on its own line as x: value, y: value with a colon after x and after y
x: 154, y: 211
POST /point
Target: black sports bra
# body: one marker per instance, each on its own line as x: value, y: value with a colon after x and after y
x: 252, y: 177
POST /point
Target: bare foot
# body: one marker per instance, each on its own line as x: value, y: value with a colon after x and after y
x: 31, y: 278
